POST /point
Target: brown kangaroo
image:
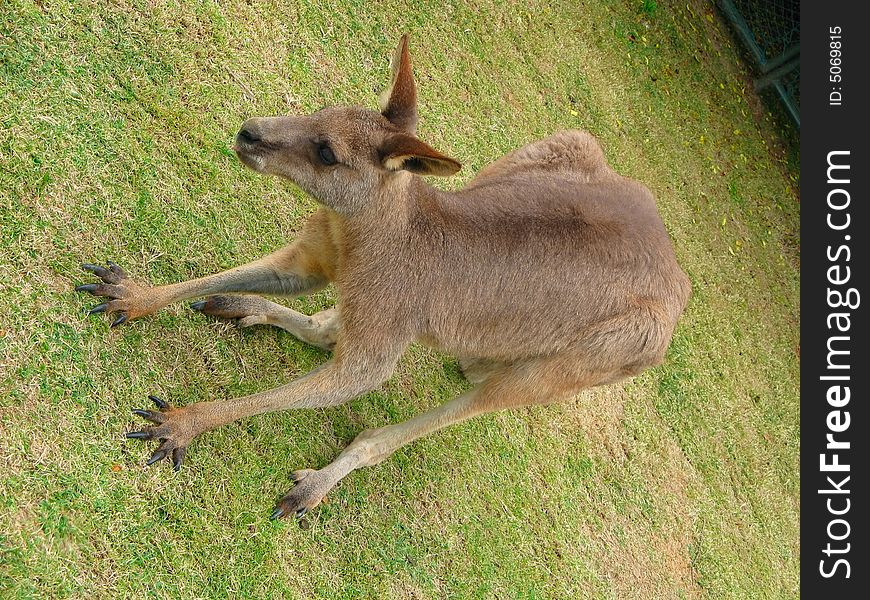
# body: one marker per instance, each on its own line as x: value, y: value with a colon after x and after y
x: 546, y: 275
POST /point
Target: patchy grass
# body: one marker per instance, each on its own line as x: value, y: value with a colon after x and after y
x: 682, y: 483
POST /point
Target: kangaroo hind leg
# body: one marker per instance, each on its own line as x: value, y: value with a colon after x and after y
x: 532, y: 382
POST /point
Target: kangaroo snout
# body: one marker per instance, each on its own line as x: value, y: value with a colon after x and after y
x: 249, y: 144
x: 250, y: 134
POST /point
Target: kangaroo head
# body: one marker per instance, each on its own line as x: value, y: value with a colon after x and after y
x: 343, y: 156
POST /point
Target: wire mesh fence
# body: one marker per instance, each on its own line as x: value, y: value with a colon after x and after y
x: 770, y: 31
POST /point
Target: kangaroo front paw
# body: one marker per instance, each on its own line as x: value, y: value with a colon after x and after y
x: 173, y: 427
x: 128, y: 299
x: 246, y: 310
x: 309, y: 490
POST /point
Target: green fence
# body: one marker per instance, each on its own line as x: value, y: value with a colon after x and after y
x: 770, y: 31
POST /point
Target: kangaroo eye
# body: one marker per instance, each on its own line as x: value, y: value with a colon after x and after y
x: 326, y: 155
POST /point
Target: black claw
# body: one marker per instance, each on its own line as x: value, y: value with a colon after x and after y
x: 145, y: 414
x: 138, y: 435
x: 99, y: 308
x: 116, y: 269
x: 158, y: 455
x: 87, y: 287
x: 301, y: 512
x: 122, y: 318
x: 160, y: 403
x: 276, y: 514
x: 97, y: 270
x: 198, y: 305
x: 178, y: 458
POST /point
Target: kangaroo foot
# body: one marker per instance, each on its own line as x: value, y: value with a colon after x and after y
x: 173, y: 427
x: 129, y: 299
x: 309, y: 490
x: 246, y: 310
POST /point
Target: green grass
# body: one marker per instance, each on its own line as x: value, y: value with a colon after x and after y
x: 682, y: 483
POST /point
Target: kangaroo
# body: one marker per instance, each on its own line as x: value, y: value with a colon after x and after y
x: 546, y: 275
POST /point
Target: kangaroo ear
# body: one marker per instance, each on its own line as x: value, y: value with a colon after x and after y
x: 399, y: 101
x: 405, y: 152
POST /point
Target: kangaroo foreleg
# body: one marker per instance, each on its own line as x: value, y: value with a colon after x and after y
x: 345, y: 377
x: 320, y: 329
x: 286, y: 272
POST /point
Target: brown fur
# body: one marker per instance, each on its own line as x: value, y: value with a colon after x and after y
x: 547, y: 274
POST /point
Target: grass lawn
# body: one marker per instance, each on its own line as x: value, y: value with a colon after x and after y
x: 116, y: 119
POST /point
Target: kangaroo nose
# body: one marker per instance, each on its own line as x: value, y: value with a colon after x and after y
x: 251, y: 132
x: 249, y: 135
